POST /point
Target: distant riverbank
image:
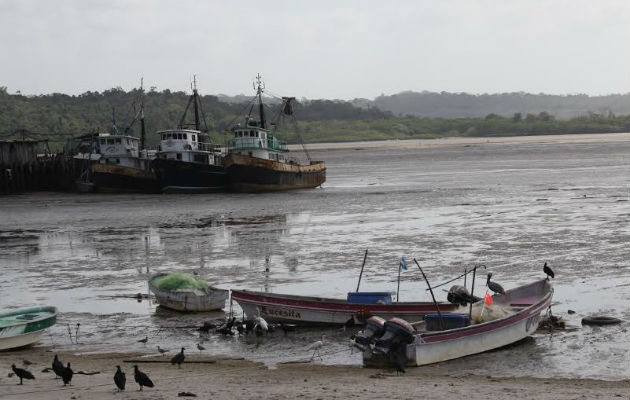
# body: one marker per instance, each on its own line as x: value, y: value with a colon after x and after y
x: 468, y: 141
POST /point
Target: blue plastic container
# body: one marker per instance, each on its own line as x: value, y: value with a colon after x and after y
x: 369, y: 297
x: 450, y: 320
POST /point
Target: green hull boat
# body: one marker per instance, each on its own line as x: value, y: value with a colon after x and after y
x: 24, y: 327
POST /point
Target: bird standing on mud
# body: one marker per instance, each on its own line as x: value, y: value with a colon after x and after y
x: 161, y: 350
x: 178, y: 359
x: 57, y: 367
x: 547, y: 270
x: 144, y: 341
x: 66, y: 375
x: 200, y: 347
x: 316, y: 347
x: 120, y: 379
x: 141, y: 378
x: 21, y: 373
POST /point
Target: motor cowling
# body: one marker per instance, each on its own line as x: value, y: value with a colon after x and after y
x: 374, y: 328
x: 397, y: 332
x: 458, y: 294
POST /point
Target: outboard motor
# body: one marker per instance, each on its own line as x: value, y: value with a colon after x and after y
x: 397, y: 332
x: 458, y: 294
x: 374, y: 328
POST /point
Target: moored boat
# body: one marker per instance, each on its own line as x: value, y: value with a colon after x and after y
x: 182, y: 292
x: 187, y: 161
x: 25, y: 327
x: 508, y: 318
x: 258, y: 162
x: 308, y: 310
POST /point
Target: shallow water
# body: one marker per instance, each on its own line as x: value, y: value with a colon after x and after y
x: 509, y: 207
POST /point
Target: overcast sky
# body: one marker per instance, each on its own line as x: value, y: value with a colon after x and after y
x: 317, y: 49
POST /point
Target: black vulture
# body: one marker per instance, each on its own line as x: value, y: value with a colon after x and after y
x: 495, y: 287
x: 178, y: 358
x: 66, y: 375
x: 57, y: 367
x: 119, y: 378
x: 548, y: 271
x: 141, y: 378
x: 22, y: 373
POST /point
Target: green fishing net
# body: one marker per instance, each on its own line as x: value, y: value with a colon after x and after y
x: 180, y: 281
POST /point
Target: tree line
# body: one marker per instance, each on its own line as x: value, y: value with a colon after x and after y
x: 58, y: 116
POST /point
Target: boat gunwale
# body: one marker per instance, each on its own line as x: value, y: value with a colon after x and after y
x: 49, y: 309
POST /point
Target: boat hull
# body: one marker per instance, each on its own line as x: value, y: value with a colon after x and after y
x: 251, y: 174
x: 123, y: 179
x: 434, y: 347
x: 25, y: 327
x: 176, y: 176
x: 304, y: 310
x: 188, y: 300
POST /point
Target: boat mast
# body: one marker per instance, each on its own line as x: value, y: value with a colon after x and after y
x: 259, y: 90
x: 143, y: 134
x: 196, y: 103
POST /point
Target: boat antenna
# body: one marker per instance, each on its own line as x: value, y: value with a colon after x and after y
x: 260, y: 86
x: 437, y: 307
x: 472, y: 294
x: 362, y: 266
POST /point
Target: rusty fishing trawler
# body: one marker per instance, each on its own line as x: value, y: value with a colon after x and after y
x: 257, y: 161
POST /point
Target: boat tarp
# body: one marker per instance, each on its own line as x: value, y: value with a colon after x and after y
x: 180, y: 282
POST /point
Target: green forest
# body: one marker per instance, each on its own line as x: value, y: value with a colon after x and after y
x: 57, y: 117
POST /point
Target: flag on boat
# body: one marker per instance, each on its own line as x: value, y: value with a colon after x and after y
x: 403, y: 263
x: 489, y: 300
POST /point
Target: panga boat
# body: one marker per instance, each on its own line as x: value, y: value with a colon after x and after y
x: 506, y: 319
x: 24, y: 327
x: 183, y: 292
x: 307, y: 310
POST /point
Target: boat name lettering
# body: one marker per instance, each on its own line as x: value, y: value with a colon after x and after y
x: 280, y: 313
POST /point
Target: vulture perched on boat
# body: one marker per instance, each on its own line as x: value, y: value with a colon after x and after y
x: 548, y: 271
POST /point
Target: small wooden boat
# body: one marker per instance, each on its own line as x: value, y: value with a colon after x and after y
x: 197, y: 296
x: 511, y: 317
x: 24, y: 327
x: 307, y: 310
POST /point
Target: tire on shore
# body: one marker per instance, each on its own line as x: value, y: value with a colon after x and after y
x: 599, y: 320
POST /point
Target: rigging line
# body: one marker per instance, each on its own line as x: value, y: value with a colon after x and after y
x: 240, y: 115
x: 454, y: 279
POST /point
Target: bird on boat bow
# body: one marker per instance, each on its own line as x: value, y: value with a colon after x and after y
x: 547, y: 270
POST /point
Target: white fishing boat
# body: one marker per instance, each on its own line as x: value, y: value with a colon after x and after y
x: 24, y: 327
x: 490, y: 323
x: 182, y: 292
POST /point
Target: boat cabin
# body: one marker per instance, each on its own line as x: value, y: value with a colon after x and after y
x: 254, y: 141
x: 188, y: 145
x: 121, y: 150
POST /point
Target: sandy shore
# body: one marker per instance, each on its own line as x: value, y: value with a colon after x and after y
x: 222, y: 378
x: 467, y: 141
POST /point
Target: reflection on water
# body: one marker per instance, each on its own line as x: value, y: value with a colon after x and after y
x: 510, y: 208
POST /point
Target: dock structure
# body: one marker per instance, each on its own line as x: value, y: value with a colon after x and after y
x: 24, y: 167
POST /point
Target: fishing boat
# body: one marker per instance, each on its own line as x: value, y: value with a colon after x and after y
x: 308, y: 310
x: 490, y: 323
x: 187, y: 161
x: 257, y: 161
x: 24, y: 327
x: 125, y: 164
x: 182, y: 292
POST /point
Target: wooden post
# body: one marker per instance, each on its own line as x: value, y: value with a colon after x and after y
x: 362, y: 266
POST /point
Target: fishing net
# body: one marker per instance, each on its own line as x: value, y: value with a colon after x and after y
x: 483, y: 313
x: 180, y: 281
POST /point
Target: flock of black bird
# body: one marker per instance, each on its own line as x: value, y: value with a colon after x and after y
x: 120, y: 379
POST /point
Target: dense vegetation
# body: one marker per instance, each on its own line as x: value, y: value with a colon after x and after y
x: 58, y: 116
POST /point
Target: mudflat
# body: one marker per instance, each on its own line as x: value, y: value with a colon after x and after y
x: 224, y: 378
